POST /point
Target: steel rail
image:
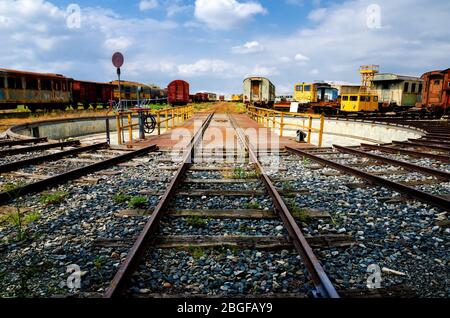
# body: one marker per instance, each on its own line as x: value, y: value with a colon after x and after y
x: 433, y: 135
x: 407, y: 165
x: 42, y: 185
x: 411, y: 153
x: 412, y: 192
x: 22, y: 142
x: 121, y: 279
x: 325, y: 288
x: 432, y: 142
x: 54, y: 156
x: 437, y: 139
x: 424, y: 145
x: 16, y: 151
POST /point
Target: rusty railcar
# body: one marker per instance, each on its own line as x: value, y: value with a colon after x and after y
x: 436, y: 92
x: 34, y: 90
x: 178, y: 92
x: 259, y: 91
x: 91, y: 94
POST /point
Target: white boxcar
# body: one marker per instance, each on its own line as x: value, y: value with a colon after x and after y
x: 259, y: 91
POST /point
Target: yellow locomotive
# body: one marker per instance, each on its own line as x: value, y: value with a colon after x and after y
x: 361, y: 99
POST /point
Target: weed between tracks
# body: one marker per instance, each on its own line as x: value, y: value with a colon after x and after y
x: 197, y: 221
x: 17, y: 217
x: 298, y: 213
x: 52, y: 198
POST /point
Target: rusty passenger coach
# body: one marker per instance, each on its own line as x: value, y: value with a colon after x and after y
x: 91, y: 93
x: 35, y: 90
x: 436, y: 92
x: 259, y: 91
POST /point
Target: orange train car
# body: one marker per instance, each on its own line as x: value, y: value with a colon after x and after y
x: 436, y: 92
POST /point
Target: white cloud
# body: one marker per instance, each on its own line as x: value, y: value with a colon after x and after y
x: 174, y: 7
x: 148, y: 4
x: 262, y: 71
x: 120, y: 43
x: 204, y: 66
x: 314, y: 71
x: 301, y: 58
x: 226, y: 14
x: 247, y: 48
x: 318, y: 14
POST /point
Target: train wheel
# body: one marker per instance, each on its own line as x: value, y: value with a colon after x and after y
x: 32, y: 108
x: 86, y: 106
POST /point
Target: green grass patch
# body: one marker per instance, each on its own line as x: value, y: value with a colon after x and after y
x: 196, y: 252
x: 252, y: 205
x: 121, y: 198
x: 138, y: 202
x: 20, y: 220
x: 52, y: 198
x: 197, y: 221
x: 301, y: 214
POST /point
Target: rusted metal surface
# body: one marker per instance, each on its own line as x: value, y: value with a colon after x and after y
x: 22, y: 142
x: 421, y: 145
x: 321, y: 281
x: 45, y: 184
x: 409, y: 166
x: 27, y: 162
x: 411, y: 153
x: 412, y: 192
x: 178, y: 92
x: 431, y: 142
x: 120, y: 280
x: 16, y: 151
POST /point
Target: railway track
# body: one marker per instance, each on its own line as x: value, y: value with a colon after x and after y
x: 134, y: 278
x: 212, y: 226
x: 31, y: 173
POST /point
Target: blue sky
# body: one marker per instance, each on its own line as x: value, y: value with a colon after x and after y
x: 215, y: 44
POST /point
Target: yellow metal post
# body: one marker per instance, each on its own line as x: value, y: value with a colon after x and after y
x: 173, y: 118
x: 159, y: 123
x: 130, y: 128
x: 166, y: 119
x: 281, y: 124
x: 310, y: 128
x: 322, y: 124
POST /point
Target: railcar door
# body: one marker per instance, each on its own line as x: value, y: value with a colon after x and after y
x: 256, y: 90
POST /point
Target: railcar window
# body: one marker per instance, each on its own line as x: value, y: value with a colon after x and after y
x: 437, y: 82
x: 353, y: 98
x: 307, y: 88
x: 375, y: 98
x: 299, y: 88
x: 385, y: 86
x: 345, y: 98
x: 2, y: 82
x: 31, y: 83
x: 420, y: 88
x: 14, y: 83
x: 57, y: 85
x: 46, y: 85
x: 406, y: 88
x: 413, y: 88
